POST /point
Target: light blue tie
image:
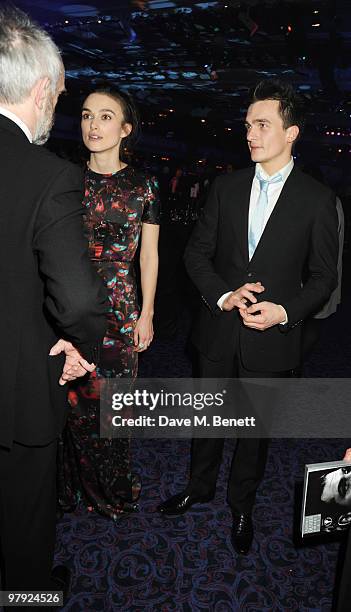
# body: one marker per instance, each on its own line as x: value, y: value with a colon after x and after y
x: 259, y: 211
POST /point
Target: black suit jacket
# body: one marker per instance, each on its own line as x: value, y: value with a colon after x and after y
x: 47, y: 284
x: 295, y: 260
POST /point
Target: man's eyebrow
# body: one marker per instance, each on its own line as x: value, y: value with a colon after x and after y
x: 263, y: 120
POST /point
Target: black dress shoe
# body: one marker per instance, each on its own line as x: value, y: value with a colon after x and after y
x: 179, y: 504
x: 61, y: 579
x: 242, y: 533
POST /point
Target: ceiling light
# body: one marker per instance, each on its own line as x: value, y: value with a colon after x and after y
x: 79, y: 10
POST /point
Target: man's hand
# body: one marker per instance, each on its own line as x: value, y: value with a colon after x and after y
x: 270, y: 315
x: 239, y: 297
x: 75, y: 365
x: 347, y: 456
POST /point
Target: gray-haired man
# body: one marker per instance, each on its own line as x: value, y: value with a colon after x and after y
x: 48, y: 290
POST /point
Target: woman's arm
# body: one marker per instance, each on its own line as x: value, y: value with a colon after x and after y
x: 143, y: 333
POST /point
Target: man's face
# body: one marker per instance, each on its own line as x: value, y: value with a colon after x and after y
x: 46, y: 121
x: 269, y: 142
x: 337, y: 486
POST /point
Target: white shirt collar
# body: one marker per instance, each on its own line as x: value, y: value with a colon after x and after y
x: 10, y: 115
x: 285, y: 171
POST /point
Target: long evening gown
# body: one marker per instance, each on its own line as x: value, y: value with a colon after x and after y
x: 93, y: 469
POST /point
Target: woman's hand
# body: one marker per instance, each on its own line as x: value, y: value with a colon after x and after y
x: 143, y: 333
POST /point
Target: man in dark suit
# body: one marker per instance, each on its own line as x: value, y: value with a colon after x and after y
x: 268, y: 233
x: 48, y: 290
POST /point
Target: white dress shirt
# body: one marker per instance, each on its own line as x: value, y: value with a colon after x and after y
x: 274, y: 191
x: 10, y: 115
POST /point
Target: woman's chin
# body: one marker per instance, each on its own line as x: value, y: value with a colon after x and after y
x: 94, y: 147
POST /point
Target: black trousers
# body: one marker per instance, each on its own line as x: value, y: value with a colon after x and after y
x: 250, y: 455
x: 311, y: 332
x: 27, y: 516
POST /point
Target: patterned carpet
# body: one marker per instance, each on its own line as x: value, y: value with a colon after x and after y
x: 146, y: 563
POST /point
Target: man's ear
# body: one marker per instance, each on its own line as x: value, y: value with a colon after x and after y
x: 41, y: 91
x: 292, y: 133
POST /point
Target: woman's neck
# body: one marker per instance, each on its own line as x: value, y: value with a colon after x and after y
x: 103, y: 163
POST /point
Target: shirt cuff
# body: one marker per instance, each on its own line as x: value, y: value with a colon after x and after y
x: 222, y: 298
x: 286, y: 316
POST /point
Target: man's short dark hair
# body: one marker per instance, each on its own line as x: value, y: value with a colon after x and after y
x: 291, y: 104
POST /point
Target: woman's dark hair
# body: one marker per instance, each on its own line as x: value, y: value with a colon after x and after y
x: 291, y: 104
x: 129, y: 111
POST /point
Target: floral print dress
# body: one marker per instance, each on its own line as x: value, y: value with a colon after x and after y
x: 93, y: 469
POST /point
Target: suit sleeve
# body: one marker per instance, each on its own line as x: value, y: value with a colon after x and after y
x: 75, y: 296
x: 322, y: 275
x: 201, y: 250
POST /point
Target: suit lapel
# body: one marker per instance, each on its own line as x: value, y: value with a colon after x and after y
x: 281, y: 214
x: 241, y: 212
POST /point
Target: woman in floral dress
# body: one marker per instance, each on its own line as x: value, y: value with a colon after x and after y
x: 121, y: 208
